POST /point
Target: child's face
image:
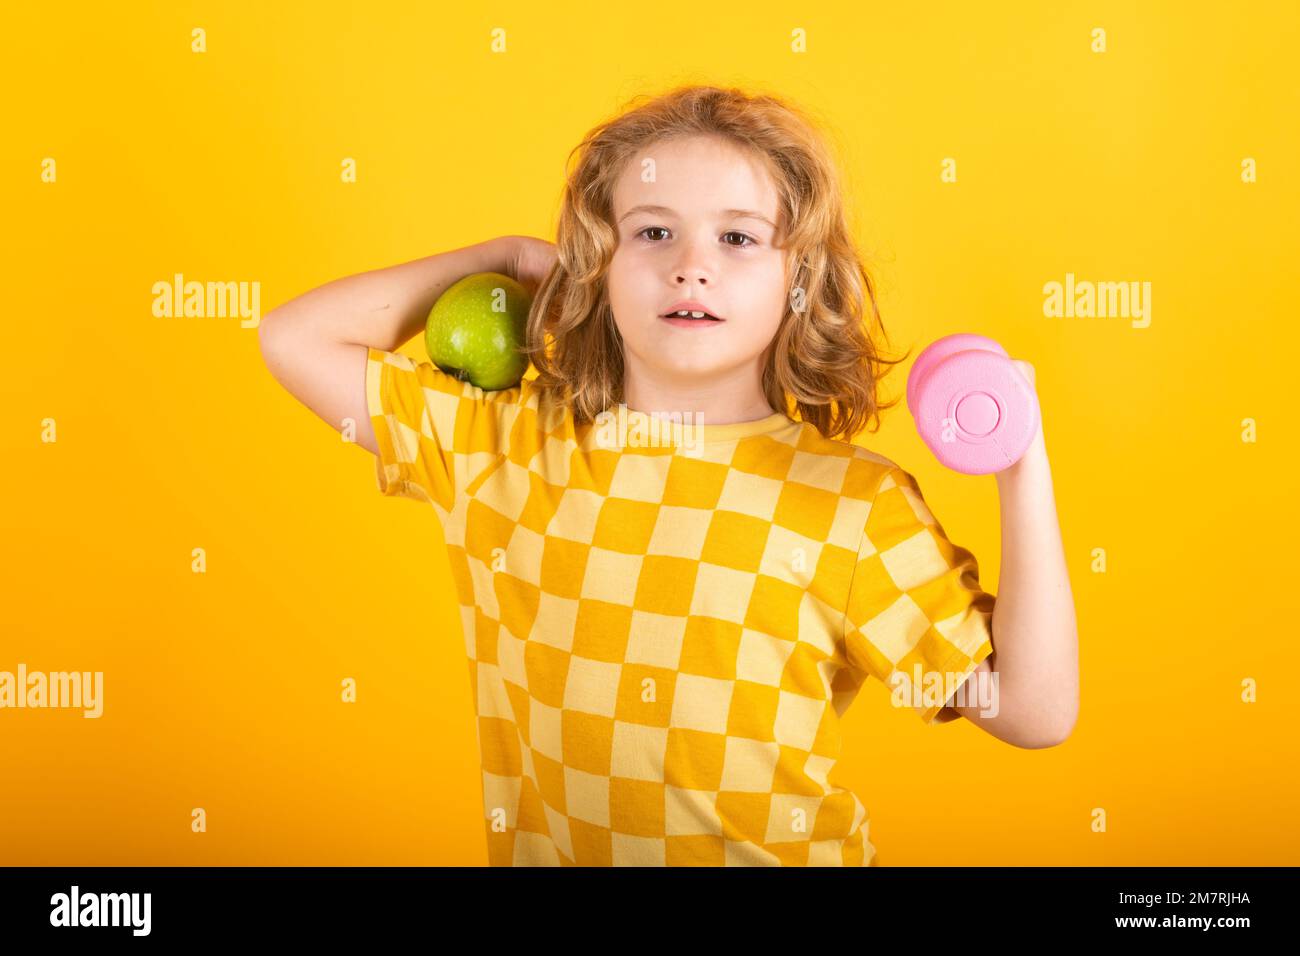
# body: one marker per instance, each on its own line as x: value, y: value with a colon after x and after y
x: 698, y: 250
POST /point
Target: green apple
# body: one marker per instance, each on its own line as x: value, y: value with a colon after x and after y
x: 476, y: 330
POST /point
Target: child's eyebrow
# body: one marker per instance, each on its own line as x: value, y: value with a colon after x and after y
x: 727, y: 213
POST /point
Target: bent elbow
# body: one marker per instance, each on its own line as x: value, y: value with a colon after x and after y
x: 1046, y: 736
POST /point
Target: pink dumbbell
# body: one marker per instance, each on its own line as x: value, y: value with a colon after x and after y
x: 973, y: 408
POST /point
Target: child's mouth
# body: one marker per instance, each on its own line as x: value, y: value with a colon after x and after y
x: 691, y: 320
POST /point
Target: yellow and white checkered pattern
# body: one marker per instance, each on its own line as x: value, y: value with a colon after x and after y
x: 661, y: 644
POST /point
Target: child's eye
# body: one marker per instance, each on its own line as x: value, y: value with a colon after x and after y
x: 742, y: 236
x: 745, y: 243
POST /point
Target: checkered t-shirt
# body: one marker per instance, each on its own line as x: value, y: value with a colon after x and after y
x: 663, y: 636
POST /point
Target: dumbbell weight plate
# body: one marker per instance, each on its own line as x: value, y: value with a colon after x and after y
x: 976, y: 412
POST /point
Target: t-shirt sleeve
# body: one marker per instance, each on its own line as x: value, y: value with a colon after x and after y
x: 917, y: 618
x: 434, y: 432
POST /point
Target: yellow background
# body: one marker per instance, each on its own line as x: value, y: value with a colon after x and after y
x: 222, y: 690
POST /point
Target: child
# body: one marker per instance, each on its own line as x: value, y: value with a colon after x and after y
x: 663, y: 632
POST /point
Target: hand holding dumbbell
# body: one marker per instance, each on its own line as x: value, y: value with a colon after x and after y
x: 974, y: 406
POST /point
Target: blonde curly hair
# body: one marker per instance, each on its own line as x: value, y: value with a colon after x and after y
x: 821, y: 357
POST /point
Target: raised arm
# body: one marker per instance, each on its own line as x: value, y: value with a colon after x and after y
x: 1035, y: 661
x: 315, y: 345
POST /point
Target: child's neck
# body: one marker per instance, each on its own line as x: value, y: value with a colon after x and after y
x: 723, y: 400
